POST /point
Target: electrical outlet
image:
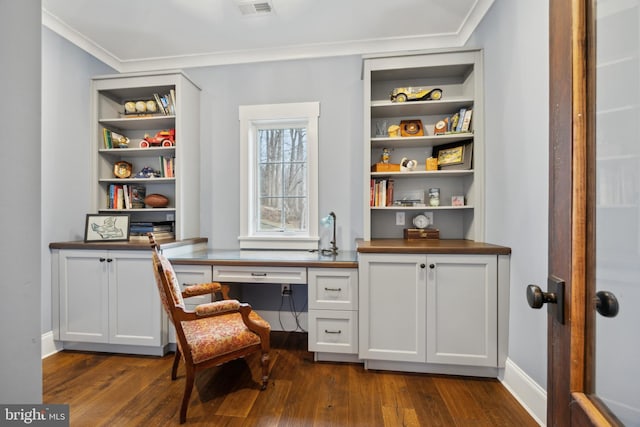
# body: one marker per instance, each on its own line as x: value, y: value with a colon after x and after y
x: 429, y: 216
x: 170, y: 216
x: 285, y: 290
x: 399, y: 218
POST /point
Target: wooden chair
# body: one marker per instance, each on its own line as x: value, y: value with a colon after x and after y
x: 213, y: 333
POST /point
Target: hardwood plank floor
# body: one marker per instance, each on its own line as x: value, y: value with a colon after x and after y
x: 123, y: 390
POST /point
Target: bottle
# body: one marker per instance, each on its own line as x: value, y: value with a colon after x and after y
x: 434, y: 197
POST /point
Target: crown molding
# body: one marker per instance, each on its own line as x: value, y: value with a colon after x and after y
x: 280, y: 53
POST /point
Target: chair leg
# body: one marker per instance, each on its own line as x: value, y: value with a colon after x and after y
x: 188, y: 388
x: 176, y: 362
x: 264, y: 361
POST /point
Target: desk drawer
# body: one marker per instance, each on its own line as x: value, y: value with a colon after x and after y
x: 333, y: 288
x: 241, y: 274
x: 189, y: 275
x: 333, y: 331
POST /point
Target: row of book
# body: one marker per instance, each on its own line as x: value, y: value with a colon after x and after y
x: 166, y: 103
x: 124, y: 196
x: 167, y: 167
x: 460, y: 121
x: 381, y: 192
x: 161, y: 230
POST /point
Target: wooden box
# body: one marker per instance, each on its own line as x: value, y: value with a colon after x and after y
x: 421, y: 233
x: 385, y: 167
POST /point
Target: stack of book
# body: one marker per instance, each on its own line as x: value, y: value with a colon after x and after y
x: 160, y: 229
x: 459, y: 122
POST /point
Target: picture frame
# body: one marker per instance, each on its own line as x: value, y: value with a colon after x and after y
x: 454, y: 156
x: 107, y: 228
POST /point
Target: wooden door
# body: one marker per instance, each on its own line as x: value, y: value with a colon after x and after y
x: 574, y: 232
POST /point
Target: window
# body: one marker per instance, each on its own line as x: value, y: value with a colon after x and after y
x: 279, y: 176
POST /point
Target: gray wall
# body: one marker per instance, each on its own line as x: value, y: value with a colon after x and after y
x: 20, y: 367
x: 515, y: 39
x: 336, y: 84
x: 66, y: 72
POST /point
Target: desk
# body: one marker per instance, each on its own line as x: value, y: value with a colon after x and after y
x: 331, y: 282
x: 266, y: 258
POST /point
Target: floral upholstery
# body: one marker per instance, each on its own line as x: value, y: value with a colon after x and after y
x: 217, y: 307
x: 201, y: 289
x: 174, y: 285
x: 214, y: 336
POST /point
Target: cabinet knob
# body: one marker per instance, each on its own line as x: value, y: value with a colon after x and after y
x: 432, y: 266
x: 422, y: 266
x: 109, y: 259
x: 102, y: 259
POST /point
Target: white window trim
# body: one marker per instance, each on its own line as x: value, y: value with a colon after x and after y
x: 248, y: 114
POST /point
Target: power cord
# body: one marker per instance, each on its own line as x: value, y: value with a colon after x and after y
x: 292, y: 310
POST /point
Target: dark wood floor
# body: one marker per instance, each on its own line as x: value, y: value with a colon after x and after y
x: 123, y: 390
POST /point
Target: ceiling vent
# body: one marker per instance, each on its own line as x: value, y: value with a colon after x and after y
x: 255, y: 7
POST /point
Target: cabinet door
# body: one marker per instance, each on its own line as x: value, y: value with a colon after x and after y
x: 392, y: 307
x: 84, y: 296
x: 135, y: 315
x: 462, y: 309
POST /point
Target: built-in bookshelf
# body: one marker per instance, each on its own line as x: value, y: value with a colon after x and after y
x: 168, y: 107
x: 458, y: 74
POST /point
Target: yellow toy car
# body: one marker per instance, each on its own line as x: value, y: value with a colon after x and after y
x: 415, y: 93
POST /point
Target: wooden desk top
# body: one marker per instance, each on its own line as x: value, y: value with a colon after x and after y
x: 444, y: 246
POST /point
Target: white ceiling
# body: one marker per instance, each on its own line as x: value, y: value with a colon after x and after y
x: 142, y: 35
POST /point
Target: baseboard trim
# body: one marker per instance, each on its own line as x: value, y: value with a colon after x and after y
x: 49, y: 346
x: 526, y: 391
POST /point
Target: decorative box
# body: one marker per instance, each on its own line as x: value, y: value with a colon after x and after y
x: 385, y: 167
x: 421, y: 233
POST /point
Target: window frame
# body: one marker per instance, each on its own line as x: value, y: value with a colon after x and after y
x: 251, y: 116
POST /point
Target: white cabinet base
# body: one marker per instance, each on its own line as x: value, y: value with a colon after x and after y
x: 433, y: 368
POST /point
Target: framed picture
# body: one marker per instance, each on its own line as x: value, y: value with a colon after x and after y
x: 106, y: 228
x: 457, y: 155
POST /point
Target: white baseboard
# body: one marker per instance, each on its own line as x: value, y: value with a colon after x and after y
x: 49, y: 346
x: 526, y: 391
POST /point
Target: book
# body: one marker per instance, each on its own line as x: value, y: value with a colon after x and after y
x: 127, y: 198
x: 460, y: 120
x: 466, y: 121
x: 138, y: 193
x: 159, y: 102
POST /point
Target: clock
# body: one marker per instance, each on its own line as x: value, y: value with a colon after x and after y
x: 411, y: 128
x: 122, y: 169
x: 420, y: 221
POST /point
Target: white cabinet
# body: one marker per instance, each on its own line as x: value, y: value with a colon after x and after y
x: 108, y: 297
x: 462, y: 309
x: 392, y: 307
x: 180, y: 184
x: 432, y: 310
x: 459, y: 75
x: 333, y: 310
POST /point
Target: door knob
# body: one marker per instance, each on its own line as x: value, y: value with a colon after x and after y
x: 537, y: 298
x: 554, y: 297
x: 607, y: 304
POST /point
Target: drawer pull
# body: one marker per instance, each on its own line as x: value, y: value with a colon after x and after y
x: 333, y: 289
x: 259, y: 274
x: 326, y: 331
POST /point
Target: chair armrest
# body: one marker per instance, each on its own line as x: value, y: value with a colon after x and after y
x: 201, y: 289
x: 217, y: 307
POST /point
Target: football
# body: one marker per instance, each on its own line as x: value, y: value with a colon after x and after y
x: 156, y: 201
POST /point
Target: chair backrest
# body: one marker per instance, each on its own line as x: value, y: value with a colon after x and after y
x: 166, y: 280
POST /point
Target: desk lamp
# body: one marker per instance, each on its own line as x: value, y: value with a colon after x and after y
x: 326, y: 222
